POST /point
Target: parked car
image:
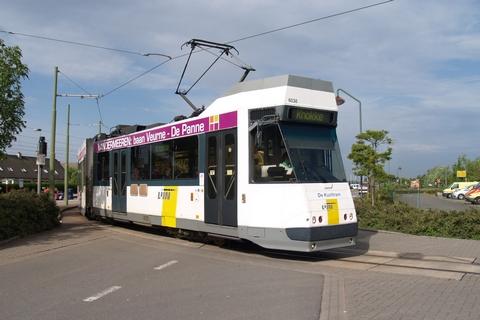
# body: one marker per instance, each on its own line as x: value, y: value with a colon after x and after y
x: 460, y: 193
x: 473, y: 195
x: 58, y: 195
x: 447, y: 192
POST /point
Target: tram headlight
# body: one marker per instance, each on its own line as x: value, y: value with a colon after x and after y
x: 351, y: 216
x: 314, y: 219
x: 345, y: 217
x: 320, y: 219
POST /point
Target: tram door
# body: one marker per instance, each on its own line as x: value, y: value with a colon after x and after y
x: 221, y: 178
x: 119, y: 181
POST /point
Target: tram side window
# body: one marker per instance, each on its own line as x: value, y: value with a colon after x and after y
x: 162, y: 160
x: 269, y: 158
x: 103, y: 167
x: 185, y: 158
x: 176, y: 159
x: 140, y: 162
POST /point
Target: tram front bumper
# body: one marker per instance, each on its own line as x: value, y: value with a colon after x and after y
x: 323, y: 233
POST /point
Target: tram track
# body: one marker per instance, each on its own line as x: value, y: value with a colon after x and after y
x: 391, y: 262
x: 406, y: 263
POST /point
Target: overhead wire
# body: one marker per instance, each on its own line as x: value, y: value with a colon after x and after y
x: 250, y: 37
x: 74, y: 82
x: 310, y: 21
x: 77, y: 43
x: 137, y: 77
x: 100, y: 114
x: 87, y: 92
x: 184, y: 55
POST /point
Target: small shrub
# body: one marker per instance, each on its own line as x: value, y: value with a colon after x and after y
x: 23, y: 213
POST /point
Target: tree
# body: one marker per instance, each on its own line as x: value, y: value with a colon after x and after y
x: 437, y: 176
x: 368, y: 158
x: 12, y: 71
x: 72, y: 176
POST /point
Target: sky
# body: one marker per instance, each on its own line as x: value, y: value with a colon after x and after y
x: 414, y: 65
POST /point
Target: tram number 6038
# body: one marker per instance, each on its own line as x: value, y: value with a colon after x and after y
x: 164, y: 195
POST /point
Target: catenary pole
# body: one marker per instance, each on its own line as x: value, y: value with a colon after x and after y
x: 51, y: 172
x: 65, y: 172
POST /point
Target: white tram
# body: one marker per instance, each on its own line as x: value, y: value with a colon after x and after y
x: 261, y: 163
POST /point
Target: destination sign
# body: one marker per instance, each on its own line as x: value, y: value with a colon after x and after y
x: 172, y: 131
x: 312, y: 115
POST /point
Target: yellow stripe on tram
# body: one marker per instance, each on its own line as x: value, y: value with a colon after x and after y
x: 169, y: 207
x: 333, y: 211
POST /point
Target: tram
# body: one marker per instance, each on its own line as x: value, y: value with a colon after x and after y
x: 261, y: 163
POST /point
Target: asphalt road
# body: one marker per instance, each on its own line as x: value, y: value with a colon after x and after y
x: 427, y: 201
x: 93, y: 270
x: 95, y: 276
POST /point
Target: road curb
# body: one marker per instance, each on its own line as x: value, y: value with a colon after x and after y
x: 9, y: 240
x: 413, y: 235
x: 63, y: 209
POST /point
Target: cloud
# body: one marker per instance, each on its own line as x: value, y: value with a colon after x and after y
x: 411, y: 63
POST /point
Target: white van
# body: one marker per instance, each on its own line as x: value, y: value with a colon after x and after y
x: 455, y: 186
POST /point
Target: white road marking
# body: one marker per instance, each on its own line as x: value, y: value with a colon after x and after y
x: 165, y: 265
x: 102, y: 294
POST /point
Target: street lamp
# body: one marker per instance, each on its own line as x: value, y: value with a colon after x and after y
x: 339, y: 100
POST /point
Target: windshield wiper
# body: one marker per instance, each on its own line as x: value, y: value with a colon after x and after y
x: 315, y: 175
x: 304, y: 169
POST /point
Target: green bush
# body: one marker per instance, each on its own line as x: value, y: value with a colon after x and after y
x: 402, y: 218
x: 23, y: 213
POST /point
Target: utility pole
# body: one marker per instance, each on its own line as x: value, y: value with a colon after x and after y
x: 51, y: 172
x: 54, y: 126
x: 65, y: 172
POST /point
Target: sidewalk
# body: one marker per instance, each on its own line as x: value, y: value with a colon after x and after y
x: 71, y: 204
x: 417, y: 246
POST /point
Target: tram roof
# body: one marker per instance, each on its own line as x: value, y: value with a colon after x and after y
x: 281, y: 81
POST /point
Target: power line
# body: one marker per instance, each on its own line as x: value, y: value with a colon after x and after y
x: 310, y: 21
x: 184, y: 55
x: 75, y: 83
x: 83, y: 44
x: 139, y: 76
x: 100, y: 114
x: 250, y: 37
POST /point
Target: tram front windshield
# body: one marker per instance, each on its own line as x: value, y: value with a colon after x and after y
x: 301, y: 153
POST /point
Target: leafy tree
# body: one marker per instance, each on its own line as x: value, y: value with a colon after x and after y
x: 12, y: 71
x: 437, y: 176
x: 471, y: 166
x: 72, y: 176
x: 368, y: 158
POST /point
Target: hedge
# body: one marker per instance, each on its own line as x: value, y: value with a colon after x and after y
x: 402, y: 218
x: 24, y: 212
